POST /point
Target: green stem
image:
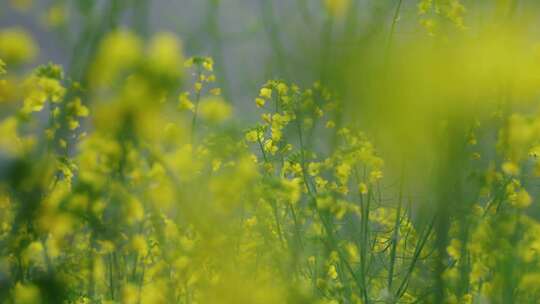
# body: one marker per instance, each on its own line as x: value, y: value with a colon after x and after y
x: 196, y: 111
x: 418, y: 250
x: 395, y: 236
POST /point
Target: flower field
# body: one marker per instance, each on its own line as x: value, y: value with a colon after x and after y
x: 390, y: 155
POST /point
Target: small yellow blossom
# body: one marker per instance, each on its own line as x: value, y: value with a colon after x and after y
x: 269, y: 146
x: 266, y: 93
x: 260, y: 102
x: 342, y: 172
x: 214, y: 109
x: 78, y: 108
x: 523, y: 199
x: 362, y: 188
x: 252, y: 136
x: 184, y: 103
x: 282, y: 88
x: 330, y: 124
x: 510, y: 168
x: 198, y: 86
x: 352, y: 251
x: 332, y: 272
x: 314, y: 168
x: 208, y: 64
x: 375, y: 175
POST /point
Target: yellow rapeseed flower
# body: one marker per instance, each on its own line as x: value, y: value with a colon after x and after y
x: 17, y: 46
x: 165, y: 54
x: 266, y: 93
x: 252, y: 136
x: 214, y: 109
x: 26, y: 294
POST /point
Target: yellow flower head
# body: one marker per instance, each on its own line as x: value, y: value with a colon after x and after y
x: 266, y: 93
x: 165, y: 54
x: 118, y: 50
x: 184, y: 103
x: 214, y: 109
x: 252, y: 136
x: 260, y: 102
x: 17, y: 46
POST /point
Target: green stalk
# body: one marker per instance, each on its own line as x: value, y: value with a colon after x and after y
x: 395, y: 236
x: 418, y: 250
x: 327, y: 227
x: 196, y: 111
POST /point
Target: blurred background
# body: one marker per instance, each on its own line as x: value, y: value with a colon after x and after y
x: 251, y: 40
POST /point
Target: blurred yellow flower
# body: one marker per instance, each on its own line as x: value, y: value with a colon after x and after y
x: 214, y: 109
x: 165, y: 54
x: 17, y: 46
x: 26, y: 294
x: 266, y: 93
